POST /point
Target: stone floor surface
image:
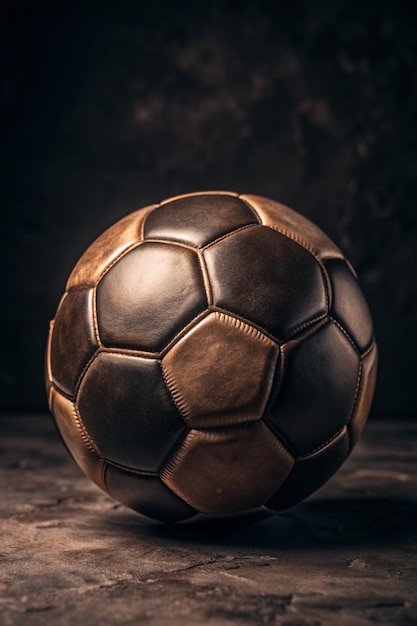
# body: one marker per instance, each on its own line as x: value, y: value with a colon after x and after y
x: 70, y: 555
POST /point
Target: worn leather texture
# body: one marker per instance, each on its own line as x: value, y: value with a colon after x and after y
x: 212, y: 358
x: 197, y: 372
x: 148, y: 296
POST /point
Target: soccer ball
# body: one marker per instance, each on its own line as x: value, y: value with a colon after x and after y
x: 212, y: 357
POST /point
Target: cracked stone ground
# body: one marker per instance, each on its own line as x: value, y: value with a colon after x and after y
x: 71, y: 555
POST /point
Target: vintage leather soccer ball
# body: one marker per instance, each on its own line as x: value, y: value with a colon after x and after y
x: 212, y: 357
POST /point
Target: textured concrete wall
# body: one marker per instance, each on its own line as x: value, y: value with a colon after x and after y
x: 107, y: 108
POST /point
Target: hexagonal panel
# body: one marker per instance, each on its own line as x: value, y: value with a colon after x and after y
x: 349, y: 306
x: 267, y: 278
x: 73, y: 340
x: 108, y: 247
x: 197, y: 219
x: 147, y: 495
x: 221, y: 372
x: 318, y: 389
x: 228, y: 470
x: 128, y: 411
x: 311, y: 472
x: 148, y: 296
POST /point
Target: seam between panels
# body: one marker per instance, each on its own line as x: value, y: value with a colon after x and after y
x: 323, y: 445
x: 143, y: 222
x: 85, y: 436
x: 228, y: 234
x: 356, y: 395
x: 180, y: 334
x: 244, y: 326
x: 239, y: 318
x: 280, y: 436
x: 315, y: 323
x: 206, y: 278
x: 175, y: 394
x: 95, y: 317
x: 117, y: 258
x: 170, y: 242
x: 131, y: 470
x: 348, y: 337
x: 369, y: 350
x: 84, y: 371
x: 252, y: 208
x: 306, y: 246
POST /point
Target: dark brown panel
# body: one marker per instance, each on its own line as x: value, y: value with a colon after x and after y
x: 148, y: 296
x: 348, y: 304
x: 76, y: 438
x: 147, y: 495
x: 317, y: 393
x: 128, y: 411
x: 73, y: 340
x: 365, y: 395
x: 221, y: 372
x: 267, y: 278
x: 106, y: 248
x: 228, y: 470
x: 311, y: 472
x: 278, y: 215
x: 198, y: 219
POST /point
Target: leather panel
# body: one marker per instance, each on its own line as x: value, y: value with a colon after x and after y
x: 365, y: 395
x: 320, y: 376
x: 148, y: 296
x: 266, y: 278
x: 198, y: 219
x: 348, y: 304
x: 106, y: 248
x: 76, y: 439
x: 228, y: 470
x: 47, y: 365
x: 299, y: 227
x: 73, y: 338
x: 128, y: 411
x: 221, y: 372
x: 311, y: 472
x: 147, y: 495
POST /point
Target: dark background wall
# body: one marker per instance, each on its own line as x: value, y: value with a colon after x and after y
x: 108, y: 107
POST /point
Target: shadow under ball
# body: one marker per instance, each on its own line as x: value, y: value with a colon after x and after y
x: 212, y: 357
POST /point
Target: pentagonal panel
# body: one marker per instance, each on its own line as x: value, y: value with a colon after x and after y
x: 348, y: 304
x: 277, y: 215
x: 108, y: 247
x: 147, y: 495
x: 128, y: 411
x: 230, y: 470
x: 148, y: 296
x: 197, y: 219
x: 76, y: 438
x: 73, y: 340
x: 365, y: 395
x: 311, y: 472
x: 267, y: 278
x: 221, y: 372
x: 318, y: 389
